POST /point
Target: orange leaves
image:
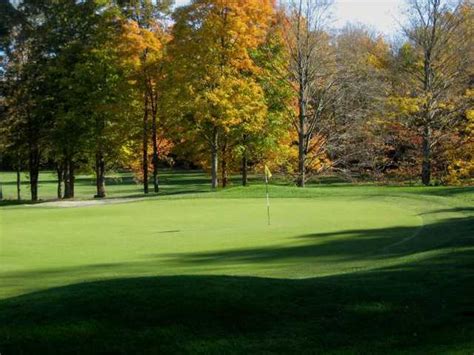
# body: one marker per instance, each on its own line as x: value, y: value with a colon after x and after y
x: 215, y: 82
x: 136, y: 39
x: 220, y: 33
x: 142, y: 49
x: 316, y: 159
x: 132, y: 156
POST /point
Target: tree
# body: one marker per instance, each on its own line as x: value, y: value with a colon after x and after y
x: 268, y: 142
x: 46, y: 44
x: 214, y: 90
x: 437, y: 74
x: 358, y: 129
x: 146, y: 39
x: 27, y: 121
x: 107, y: 104
x: 309, y: 71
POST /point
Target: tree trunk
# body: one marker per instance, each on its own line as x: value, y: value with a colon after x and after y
x: 301, y: 162
x: 72, y: 179
x: 244, y: 162
x: 244, y: 169
x: 156, y: 186
x: 145, y: 147
x: 224, y: 172
x: 301, y: 136
x: 100, y: 158
x: 214, y: 159
x: 224, y: 176
x: 100, y: 174
x: 426, y: 165
x: 60, y: 172
x: 67, y: 186
x: 18, y: 181
x: 34, y: 172
x: 68, y: 178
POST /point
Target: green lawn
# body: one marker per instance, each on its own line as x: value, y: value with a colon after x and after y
x: 117, y: 185
x: 342, y: 269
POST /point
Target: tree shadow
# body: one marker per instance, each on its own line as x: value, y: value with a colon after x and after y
x: 7, y: 203
x: 423, y: 307
x: 360, y: 247
x: 464, y: 210
x: 409, y: 307
x: 446, y: 191
x: 163, y: 192
x: 125, y: 187
x: 359, y: 244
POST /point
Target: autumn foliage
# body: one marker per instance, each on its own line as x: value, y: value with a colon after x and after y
x: 229, y: 86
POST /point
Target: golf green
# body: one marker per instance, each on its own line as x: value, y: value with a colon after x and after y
x: 44, y: 247
x: 339, y: 269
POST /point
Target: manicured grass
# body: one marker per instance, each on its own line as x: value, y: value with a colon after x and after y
x: 117, y: 185
x: 341, y: 269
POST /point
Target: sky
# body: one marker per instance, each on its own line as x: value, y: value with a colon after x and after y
x: 378, y: 14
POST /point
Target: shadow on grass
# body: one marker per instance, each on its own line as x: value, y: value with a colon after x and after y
x: 422, y: 307
x: 124, y: 186
x: 359, y: 244
x: 465, y: 210
x: 446, y: 191
x: 419, y: 308
x: 7, y: 203
x: 163, y: 192
x: 181, y: 182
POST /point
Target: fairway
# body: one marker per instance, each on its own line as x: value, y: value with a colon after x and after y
x: 340, y: 255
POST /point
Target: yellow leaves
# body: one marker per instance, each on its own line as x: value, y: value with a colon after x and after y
x: 470, y: 112
x: 406, y: 105
x: 141, y: 48
x: 317, y: 159
x: 460, y: 170
x: 137, y: 39
x: 378, y: 53
x: 374, y: 61
x: 126, y: 150
x: 470, y: 115
x: 233, y: 101
x: 132, y: 156
x: 217, y: 83
x: 220, y: 33
x: 461, y: 153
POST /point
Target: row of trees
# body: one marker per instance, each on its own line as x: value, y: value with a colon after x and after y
x: 228, y: 85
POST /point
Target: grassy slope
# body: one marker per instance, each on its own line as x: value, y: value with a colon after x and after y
x: 373, y: 280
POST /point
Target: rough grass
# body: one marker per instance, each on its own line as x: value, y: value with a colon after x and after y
x: 342, y: 269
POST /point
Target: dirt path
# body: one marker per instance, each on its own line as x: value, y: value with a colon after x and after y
x: 87, y: 203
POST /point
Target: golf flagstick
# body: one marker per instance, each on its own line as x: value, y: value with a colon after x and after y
x: 268, y: 175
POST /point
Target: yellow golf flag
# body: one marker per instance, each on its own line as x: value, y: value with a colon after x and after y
x: 268, y: 173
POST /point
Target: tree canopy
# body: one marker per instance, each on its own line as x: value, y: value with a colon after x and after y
x: 229, y: 86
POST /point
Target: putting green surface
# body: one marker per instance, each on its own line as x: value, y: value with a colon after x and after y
x: 209, y: 236
x: 342, y: 269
